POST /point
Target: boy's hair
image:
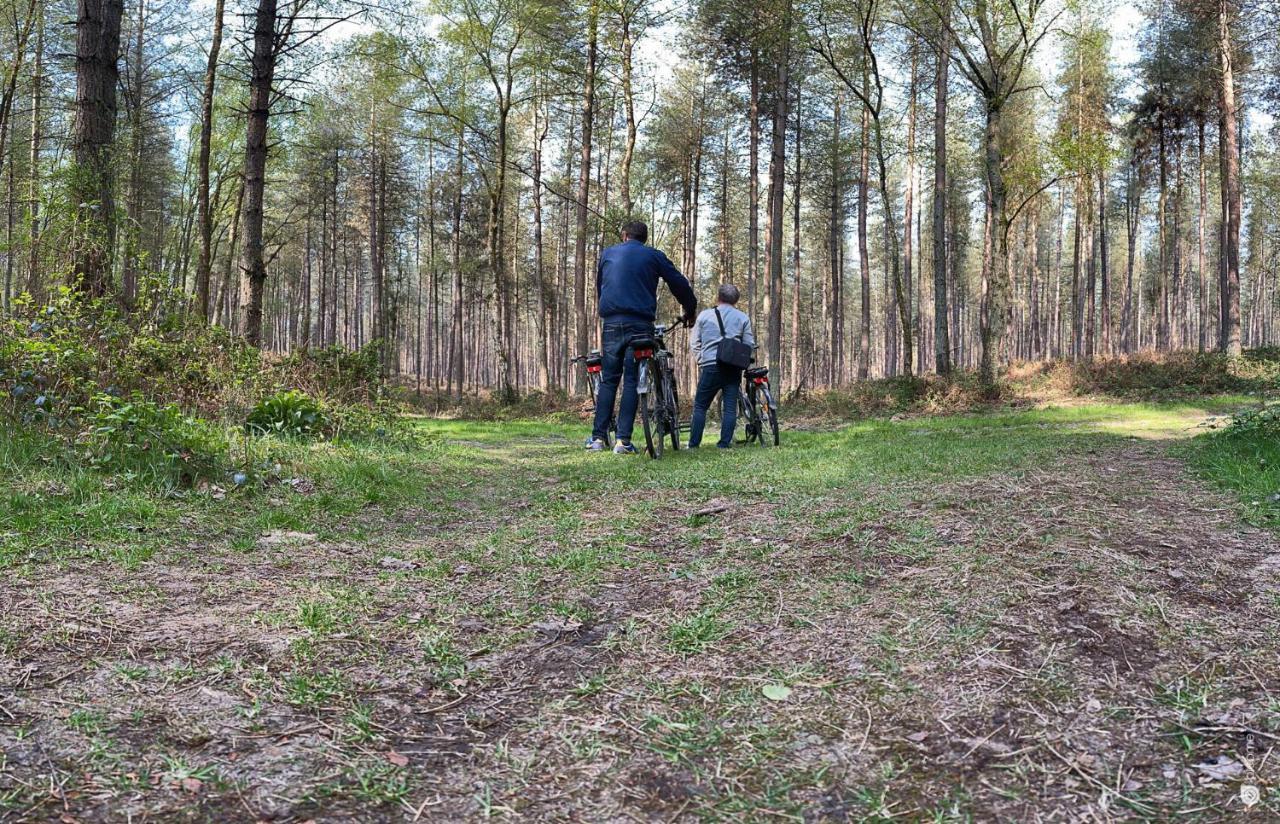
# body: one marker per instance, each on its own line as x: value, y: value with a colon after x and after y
x: 728, y: 293
x: 636, y: 230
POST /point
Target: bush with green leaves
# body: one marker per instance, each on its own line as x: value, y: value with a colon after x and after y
x: 1256, y: 422
x: 288, y: 413
x: 157, y: 443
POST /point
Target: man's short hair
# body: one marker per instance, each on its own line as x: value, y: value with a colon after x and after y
x: 636, y: 230
x: 728, y: 293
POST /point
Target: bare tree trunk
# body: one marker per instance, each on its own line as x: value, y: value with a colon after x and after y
x: 97, y: 75
x: 908, y: 317
x: 941, y: 333
x: 864, y: 259
x: 204, y: 263
x: 584, y: 189
x: 33, y: 176
x: 457, y: 373
x: 777, y: 197
x: 261, y: 75
x: 1104, y: 262
x: 796, y: 377
x: 628, y: 98
x: 753, y: 188
x: 1230, y: 149
x: 134, y: 106
x: 540, y: 127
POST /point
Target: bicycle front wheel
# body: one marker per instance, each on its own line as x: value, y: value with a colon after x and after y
x: 673, y: 411
x: 747, y: 414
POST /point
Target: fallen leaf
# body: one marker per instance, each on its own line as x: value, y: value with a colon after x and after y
x: 917, y: 737
x: 1093, y: 705
x: 398, y: 759
x: 192, y: 785
x: 776, y: 692
x: 392, y: 562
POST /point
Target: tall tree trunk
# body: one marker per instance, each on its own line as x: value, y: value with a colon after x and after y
x: 134, y: 106
x: 1104, y: 264
x: 995, y: 307
x: 908, y: 207
x: 1202, y: 296
x: 457, y: 374
x: 1230, y: 149
x: 261, y: 75
x: 753, y: 191
x: 628, y: 99
x: 97, y: 75
x: 584, y: 188
x: 204, y: 263
x: 33, y: 173
x: 941, y: 332
x: 796, y: 376
x: 835, y: 314
x: 777, y: 196
x: 540, y: 126
x: 864, y: 259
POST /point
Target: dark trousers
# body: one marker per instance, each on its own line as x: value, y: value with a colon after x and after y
x: 618, y: 365
x: 716, y: 379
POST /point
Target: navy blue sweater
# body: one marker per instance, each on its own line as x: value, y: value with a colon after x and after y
x: 627, y: 282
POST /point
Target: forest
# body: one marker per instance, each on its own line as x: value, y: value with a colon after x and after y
x: 897, y: 188
x: 296, y: 519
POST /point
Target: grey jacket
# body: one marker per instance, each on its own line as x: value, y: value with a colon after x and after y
x: 706, y: 331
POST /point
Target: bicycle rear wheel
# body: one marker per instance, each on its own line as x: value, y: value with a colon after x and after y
x: 649, y: 414
x: 769, y: 417
x: 750, y: 420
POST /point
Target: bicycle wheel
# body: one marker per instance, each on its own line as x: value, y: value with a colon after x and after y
x: 673, y: 411
x: 649, y: 414
x: 747, y: 414
x: 769, y: 418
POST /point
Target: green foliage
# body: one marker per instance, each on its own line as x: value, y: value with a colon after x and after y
x: 1244, y: 457
x: 139, y: 437
x: 287, y: 413
x: 149, y: 393
x: 1255, y: 422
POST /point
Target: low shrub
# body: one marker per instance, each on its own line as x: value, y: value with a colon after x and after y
x: 287, y: 413
x: 134, y: 436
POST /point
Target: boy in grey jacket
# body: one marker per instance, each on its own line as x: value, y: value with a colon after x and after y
x: 715, y: 378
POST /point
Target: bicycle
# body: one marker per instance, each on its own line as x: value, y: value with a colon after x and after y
x: 757, y: 409
x: 656, y: 385
x: 593, y: 363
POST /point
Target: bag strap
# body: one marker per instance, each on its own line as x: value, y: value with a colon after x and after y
x: 720, y: 320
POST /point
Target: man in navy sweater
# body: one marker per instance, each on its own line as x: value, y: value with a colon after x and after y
x: 627, y: 288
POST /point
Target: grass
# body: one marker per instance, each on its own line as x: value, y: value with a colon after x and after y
x: 553, y: 634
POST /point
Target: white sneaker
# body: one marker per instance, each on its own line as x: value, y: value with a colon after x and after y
x: 624, y: 449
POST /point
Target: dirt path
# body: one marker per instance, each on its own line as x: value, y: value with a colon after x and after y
x: 1091, y: 641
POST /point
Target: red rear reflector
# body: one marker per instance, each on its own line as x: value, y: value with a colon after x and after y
x: 593, y: 368
x: 760, y: 381
x: 641, y: 354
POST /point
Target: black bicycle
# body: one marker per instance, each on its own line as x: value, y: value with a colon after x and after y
x: 656, y: 386
x: 757, y: 409
x: 593, y: 363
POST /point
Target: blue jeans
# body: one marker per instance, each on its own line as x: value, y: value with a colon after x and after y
x: 716, y: 379
x: 618, y: 364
